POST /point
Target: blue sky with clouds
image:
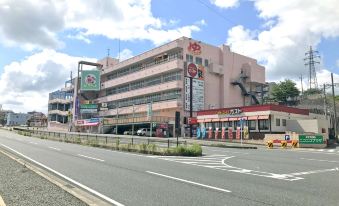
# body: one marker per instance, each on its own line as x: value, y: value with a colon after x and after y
x: 37, y: 38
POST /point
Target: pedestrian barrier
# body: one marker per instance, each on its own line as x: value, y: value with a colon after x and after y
x: 283, y: 144
x: 294, y: 143
x: 270, y: 144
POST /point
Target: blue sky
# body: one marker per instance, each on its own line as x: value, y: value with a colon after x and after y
x: 34, y: 36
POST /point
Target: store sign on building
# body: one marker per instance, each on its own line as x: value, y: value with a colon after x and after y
x: 90, y: 80
x: 230, y: 112
x: 196, y: 72
x: 194, y: 48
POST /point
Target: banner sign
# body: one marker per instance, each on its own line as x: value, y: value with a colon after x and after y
x: 194, y: 48
x: 88, y: 106
x: 88, y: 111
x: 230, y: 133
x: 90, y: 80
x: 311, y: 139
x: 237, y: 134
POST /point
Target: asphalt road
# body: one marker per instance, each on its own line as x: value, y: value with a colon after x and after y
x: 221, y: 177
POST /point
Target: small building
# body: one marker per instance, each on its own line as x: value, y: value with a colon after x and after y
x: 60, y: 104
x: 259, y: 120
x: 37, y: 119
x: 16, y: 119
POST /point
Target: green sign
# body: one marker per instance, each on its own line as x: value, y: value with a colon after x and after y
x: 311, y: 139
x: 90, y: 80
x: 88, y: 106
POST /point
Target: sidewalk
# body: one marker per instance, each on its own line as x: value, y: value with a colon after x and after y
x: 21, y: 186
x: 246, y: 144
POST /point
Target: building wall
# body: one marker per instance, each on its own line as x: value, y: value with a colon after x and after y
x: 14, y: 119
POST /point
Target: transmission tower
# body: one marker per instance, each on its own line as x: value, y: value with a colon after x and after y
x: 310, y: 61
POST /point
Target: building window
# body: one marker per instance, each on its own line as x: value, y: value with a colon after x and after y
x: 206, y: 62
x: 226, y: 124
x: 252, y: 125
x: 236, y: 124
x: 284, y: 122
x: 198, y: 60
x: 277, y: 122
x: 189, y: 58
x: 263, y: 124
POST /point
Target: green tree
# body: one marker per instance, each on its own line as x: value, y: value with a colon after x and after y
x: 312, y: 91
x: 285, y: 90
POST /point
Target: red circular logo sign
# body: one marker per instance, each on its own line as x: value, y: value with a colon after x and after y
x: 192, y: 70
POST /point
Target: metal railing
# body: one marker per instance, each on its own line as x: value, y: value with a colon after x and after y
x: 100, y: 140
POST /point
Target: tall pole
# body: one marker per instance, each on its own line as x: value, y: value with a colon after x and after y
x: 150, y: 127
x: 325, y: 106
x: 116, y: 122
x: 334, y: 108
x: 191, y: 104
x: 133, y: 123
x: 301, y: 83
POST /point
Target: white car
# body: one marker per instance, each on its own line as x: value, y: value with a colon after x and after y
x: 142, y: 132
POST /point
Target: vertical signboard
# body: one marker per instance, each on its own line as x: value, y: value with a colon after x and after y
x: 90, y: 80
x: 149, y: 111
x: 196, y: 72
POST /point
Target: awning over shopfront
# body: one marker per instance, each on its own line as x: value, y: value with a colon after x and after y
x: 215, y: 120
x: 252, y: 118
x: 263, y: 117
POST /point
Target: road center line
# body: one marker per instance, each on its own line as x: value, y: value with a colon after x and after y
x: 187, y: 181
x: 320, y: 160
x: 57, y: 149
x: 91, y: 158
x: 67, y: 178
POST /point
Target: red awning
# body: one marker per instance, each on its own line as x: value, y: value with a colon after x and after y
x: 224, y: 120
x: 207, y: 120
x: 233, y: 119
x: 215, y: 120
x: 263, y: 117
x: 200, y: 120
x: 252, y: 118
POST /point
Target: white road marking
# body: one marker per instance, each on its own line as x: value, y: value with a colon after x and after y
x: 67, y: 178
x: 320, y: 160
x: 33, y: 142
x: 331, y: 150
x: 91, y: 158
x: 190, y: 182
x: 57, y: 149
x: 314, y: 171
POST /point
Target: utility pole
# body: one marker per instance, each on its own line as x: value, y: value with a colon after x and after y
x: 325, y: 105
x: 301, y: 84
x: 133, y: 123
x: 334, y: 108
x: 116, y: 122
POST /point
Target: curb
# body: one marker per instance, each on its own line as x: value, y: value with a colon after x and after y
x: 82, y: 195
x: 234, y: 147
x: 2, y: 203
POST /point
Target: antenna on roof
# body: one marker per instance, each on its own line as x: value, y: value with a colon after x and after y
x: 108, y: 50
x: 119, y: 48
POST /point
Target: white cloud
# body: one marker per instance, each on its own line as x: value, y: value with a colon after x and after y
x: 225, y: 3
x: 125, y: 54
x: 34, y: 24
x: 290, y: 27
x: 338, y: 63
x: 24, y: 85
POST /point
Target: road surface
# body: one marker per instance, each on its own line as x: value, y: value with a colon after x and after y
x: 221, y: 177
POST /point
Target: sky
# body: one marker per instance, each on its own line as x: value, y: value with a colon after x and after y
x: 41, y: 41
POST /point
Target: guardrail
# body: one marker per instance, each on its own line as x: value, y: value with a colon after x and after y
x: 103, y: 140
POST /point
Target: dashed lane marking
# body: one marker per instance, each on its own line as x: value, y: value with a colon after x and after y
x: 54, y: 148
x: 93, y: 158
x: 320, y: 160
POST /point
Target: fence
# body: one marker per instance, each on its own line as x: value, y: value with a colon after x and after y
x: 100, y: 140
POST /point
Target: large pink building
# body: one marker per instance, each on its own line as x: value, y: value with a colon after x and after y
x: 162, y: 76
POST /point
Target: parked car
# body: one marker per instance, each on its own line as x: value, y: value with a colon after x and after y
x: 129, y: 132
x: 142, y: 132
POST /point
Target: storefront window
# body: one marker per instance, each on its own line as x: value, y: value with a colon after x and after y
x: 284, y: 122
x: 226, y: 124
x: 252, y: 125
x: 264, y: 124
x: 277, y: 122
x: 236, y: 124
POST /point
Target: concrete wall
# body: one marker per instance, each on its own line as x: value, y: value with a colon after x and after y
x: 316, y: 126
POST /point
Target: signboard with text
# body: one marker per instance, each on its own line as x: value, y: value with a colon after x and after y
x: 311, y: 139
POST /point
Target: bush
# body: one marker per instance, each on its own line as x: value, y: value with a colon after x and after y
x: 152, y: 148
x: 143, y: 148
x: 117, y: 143
x: 194, y: 150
